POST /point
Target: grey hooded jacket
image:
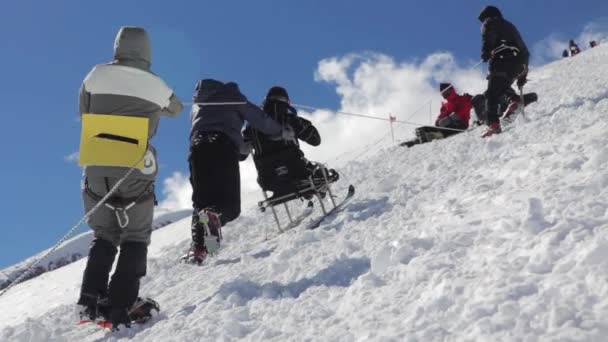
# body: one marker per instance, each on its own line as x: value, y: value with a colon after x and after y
x: 127, y: 87
x: 228, y: 119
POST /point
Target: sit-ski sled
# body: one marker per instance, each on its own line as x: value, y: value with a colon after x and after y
x: 310, y: 190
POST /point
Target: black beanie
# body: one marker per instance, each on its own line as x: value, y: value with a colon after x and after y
x: 444, y: 86
x: 489, y: 12
x: 277, y: 93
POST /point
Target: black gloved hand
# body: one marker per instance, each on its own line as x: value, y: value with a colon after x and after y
x: 444, y: 122
x: 245, y: 149
x: 522, y: 80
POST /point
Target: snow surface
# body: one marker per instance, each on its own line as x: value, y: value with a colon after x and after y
x: 465, y: 239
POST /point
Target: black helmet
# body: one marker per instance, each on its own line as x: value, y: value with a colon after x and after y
x: 489, y: 12
x: 444, y: 86
x: 204, y: 88
x: 278, y: 94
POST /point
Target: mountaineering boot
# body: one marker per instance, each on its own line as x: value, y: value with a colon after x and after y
x: 197, y: 252
x: 213, y: 229
x: 118, y: 317
x: 320, y: 172
x: 493, y: 128
x: 321, y: 178
x: 511, y: 109
x: 143, y: 310
x: 92, y: 309
x: 206, y: 236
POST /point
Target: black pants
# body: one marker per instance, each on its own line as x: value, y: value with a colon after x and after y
x: 280, y: 171
x: 123, y: 289
x: 479, y: 103
x: 214, y: 175
x: 503, y: 72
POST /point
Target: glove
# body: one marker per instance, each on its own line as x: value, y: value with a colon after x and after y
x: 448, y: 120
x: 523, y: 79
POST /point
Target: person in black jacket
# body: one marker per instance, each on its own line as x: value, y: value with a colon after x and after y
x: 507, y: 54
x: 573, y: 48
x: 281, y: 165
x: 216, y: 144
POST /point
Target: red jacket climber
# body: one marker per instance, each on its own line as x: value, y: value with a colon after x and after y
x: 458, y: 105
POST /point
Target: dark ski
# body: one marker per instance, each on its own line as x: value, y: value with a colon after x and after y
x: 339, y: 207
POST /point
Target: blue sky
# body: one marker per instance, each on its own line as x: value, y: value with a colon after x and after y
x: 49, y: 46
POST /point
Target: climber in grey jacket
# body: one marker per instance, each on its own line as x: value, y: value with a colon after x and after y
x: 125, y: 87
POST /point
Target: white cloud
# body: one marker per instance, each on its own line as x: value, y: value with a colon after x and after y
x: 177, y: 192
x: 72, y: 157
x: 597, y: 31
x: 551, y: 48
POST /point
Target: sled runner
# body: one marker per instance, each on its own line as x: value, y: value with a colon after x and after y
x: 318, y: 187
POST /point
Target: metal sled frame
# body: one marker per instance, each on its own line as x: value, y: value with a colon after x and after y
x: 272, y: 202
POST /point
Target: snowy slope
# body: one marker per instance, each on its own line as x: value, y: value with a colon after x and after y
x: 471, y: 239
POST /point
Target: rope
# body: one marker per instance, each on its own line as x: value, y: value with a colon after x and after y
x: 391, y: 120
x: 213, y: 103
x: 71, y: 231
x: 356, y: 152
x: 419, y: 108
x: 371, y: 117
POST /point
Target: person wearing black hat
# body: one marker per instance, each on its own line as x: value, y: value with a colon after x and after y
x: 573, y: 48
x: 216, y: 146
x: 507, y: 54
x: 281, y: 164
x: 453, y: 117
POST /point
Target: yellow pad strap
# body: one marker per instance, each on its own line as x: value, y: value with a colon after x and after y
x: 113, y: 140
